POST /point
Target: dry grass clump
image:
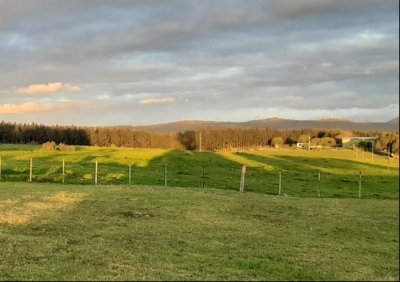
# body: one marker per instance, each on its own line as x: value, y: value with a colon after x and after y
x: 15, y: 212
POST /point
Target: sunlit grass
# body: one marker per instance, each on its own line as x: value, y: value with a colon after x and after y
x: 340, y: 169
x: 124, y: 156
x: 244, y: 161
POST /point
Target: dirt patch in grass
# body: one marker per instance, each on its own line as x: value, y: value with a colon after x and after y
x: 72, y: 242
x: 276, y: 221
x: 135, y: 214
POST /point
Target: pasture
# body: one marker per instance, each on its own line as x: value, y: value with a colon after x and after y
x: 339, y: 170
x: 82, y: 232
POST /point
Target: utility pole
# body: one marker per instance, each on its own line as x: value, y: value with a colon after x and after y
x: 200, y: 142
x: 372, y: 151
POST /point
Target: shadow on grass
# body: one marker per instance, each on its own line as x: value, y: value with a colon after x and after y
x: 327, y: 164
x: 339, y: 177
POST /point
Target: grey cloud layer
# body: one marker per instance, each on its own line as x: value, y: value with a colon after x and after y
x: 226, y: 57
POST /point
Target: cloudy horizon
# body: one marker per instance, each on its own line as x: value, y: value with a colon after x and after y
x: 144, y: 62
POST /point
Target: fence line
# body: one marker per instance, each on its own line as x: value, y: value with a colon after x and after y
x: 251, y: 179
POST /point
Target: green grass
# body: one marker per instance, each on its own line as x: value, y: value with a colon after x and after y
x: 339, y: 169
x: 75, y: 232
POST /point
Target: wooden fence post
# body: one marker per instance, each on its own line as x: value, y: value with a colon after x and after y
x: 242, y: 179
x: 0, y: 168
x: 280, y: 182
x: 63, y: 171
x: 30, y: 170
x: 130, y: 175
x: 95, y: 173
x: 319, y: 184
x: 165, y: 175
x: 359, y: 186
x: 203, y: 180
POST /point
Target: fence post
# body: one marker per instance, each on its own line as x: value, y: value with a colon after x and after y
x: 0, y: 168
x: 202, y: 176
x: 95, y: 173
x: 359, y: 186
x: 165, y: 175
x: 242, y: 180
x: 30, y: 171
x: 280, y: 182
x: 319, y: 184
x: 63, y: 172
x: 130, y: 175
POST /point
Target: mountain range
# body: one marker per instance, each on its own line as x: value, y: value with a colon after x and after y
x: 277, y: 123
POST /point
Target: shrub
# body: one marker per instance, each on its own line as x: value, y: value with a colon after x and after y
x: 328, y: 142
x: 315, y: 141
x: 277, y: 142
x: 303, y: 139
x: 49, y: 146
x: 63, y: 147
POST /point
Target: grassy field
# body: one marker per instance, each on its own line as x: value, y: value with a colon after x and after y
x: 339, y: 169
x: 58, y: 232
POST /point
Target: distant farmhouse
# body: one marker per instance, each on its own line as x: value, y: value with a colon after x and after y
x: 305, y: 146
x: 301, y: 145
x: 347, y: 142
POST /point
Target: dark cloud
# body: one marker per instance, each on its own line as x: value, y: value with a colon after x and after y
x: 214, y: 58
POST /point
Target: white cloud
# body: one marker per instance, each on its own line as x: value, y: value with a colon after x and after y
x: 48, y: 88
x: 33, y: 107
x: 151, y: 101
x: 292, y: 99
x: 25, y: 108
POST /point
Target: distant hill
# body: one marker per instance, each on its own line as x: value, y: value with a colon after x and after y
x: 277, y: 123
x: 395, y: 120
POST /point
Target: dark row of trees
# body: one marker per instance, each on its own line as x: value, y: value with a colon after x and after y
x: 125, y: 137
x: 206, y: 139
x: 38, y: 134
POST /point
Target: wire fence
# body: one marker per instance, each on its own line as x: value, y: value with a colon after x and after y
x: 254, y: 179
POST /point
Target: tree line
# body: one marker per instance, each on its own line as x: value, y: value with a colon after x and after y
x: 205, y: 139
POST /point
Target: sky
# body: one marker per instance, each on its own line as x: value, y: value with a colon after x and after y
x: 144, y: 62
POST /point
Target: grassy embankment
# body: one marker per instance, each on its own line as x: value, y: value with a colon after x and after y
x: 84, y: 232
